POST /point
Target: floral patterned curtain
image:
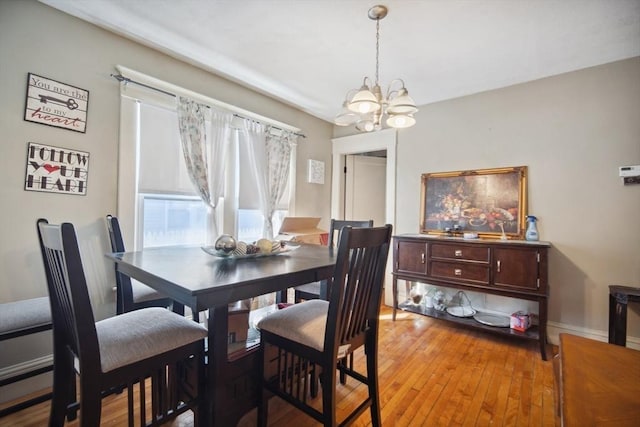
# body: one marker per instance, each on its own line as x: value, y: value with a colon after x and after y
x: 205, y: 154
x: 278, y: 151
x: 270, y: 156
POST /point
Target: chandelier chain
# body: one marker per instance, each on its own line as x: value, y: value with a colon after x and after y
x: 377, y: 50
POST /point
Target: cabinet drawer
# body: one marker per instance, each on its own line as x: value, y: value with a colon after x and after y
x: 467, y: 253
x: 460, y: 272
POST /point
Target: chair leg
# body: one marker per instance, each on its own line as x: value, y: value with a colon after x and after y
x: 342, y: 363
x: 372, y: 377
x: 72, y: 413
x: 90, y: 405
x: 315, y: 379
x: 63, y: 386
x: 329, y: 397
x: 263, y: 408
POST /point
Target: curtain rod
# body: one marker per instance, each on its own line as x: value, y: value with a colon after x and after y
x: 121, y: 78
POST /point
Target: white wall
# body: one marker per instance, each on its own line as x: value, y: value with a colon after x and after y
x: 38, y: 39
x: 572, y: 131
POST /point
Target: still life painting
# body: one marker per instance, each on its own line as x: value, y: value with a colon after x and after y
x: 487, y: 202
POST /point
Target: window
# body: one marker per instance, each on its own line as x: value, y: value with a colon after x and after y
x: 162, y: 208
x: 250, y: 223
x: 172, y: 220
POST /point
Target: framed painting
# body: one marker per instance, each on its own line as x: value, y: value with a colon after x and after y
x: 488, y: 202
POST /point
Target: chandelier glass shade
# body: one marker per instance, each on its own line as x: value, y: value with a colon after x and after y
x: 367, y: 107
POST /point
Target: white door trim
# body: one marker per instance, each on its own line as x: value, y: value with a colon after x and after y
x: 363, y: 143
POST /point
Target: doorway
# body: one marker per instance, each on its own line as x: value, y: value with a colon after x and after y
x: 365, y: 181
x: 384, y: 140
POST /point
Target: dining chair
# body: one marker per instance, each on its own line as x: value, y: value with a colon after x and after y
x: 309, y: 338
x: 313, y: 290
x: 131, y: 294
x: 123, y: 350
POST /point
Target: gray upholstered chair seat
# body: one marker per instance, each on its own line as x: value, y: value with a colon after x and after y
x: 139, y: 334
x: 29, y: 313
x: 304, y: 323
x: 142, y: 292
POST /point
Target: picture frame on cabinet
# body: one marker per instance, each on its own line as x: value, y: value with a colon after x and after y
x: 489, y: 203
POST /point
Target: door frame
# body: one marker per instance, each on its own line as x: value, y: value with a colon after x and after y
x: 363, y: 143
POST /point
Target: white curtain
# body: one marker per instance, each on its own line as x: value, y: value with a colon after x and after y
x: 205, y: 154
x: 269, y: 157
x: 253, y: 135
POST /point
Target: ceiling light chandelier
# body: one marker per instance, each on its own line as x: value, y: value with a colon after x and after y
x: 365, y: 107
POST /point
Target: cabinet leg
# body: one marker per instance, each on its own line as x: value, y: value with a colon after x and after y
x: 543, y: 347
x: 542, y: 327
x: 618, y: 319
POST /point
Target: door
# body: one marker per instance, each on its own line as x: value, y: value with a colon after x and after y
x: 365, y: 183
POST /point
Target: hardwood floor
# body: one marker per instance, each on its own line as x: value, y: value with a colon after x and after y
x: 432, y: 373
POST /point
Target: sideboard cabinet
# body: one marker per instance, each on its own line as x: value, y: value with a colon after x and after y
x: 511, y: 268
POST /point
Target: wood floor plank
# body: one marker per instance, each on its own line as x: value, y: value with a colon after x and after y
x: 431, y: 373
x: 490, y: 408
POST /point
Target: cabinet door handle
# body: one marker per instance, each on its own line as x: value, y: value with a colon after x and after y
x: 458, y: 253
x: 457, y: 272
x: 498, y: 266
x: 422, y: 258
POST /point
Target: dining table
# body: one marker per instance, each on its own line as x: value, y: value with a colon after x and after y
x: 203, y: 281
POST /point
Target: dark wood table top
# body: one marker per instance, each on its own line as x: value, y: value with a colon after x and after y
x: 189, y: 275
x: 599, y: 383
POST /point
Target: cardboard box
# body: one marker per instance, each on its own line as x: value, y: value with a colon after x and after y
x: 238, y: 321
x: 302, y: 230
x: 520, y: 321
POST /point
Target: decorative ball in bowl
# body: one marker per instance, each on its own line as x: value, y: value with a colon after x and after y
x: 225, y: 245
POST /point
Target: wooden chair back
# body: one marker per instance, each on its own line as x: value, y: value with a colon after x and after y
x: 354, y: 301
x: 124, y: 291
x: 338, y: 224
x: 71, y: 313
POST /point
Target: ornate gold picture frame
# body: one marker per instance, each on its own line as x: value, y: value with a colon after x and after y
x: 483, y: 201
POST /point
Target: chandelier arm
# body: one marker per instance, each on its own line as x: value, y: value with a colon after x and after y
x: 389, y: 88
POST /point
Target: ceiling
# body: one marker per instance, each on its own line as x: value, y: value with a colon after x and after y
x: 309, y: 53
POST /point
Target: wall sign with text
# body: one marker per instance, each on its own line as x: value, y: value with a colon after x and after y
x: 56, y: 104
x: 56, y: 170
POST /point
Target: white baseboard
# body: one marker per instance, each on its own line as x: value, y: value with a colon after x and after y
x: 554, y: 330
x: 28, y: 385
x: 26, y: 366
